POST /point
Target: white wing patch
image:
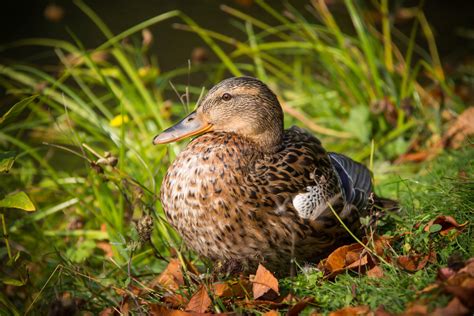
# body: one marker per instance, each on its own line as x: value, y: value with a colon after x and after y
x: 311, y: 204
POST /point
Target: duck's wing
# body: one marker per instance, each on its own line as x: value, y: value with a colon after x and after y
x: 355, y: 180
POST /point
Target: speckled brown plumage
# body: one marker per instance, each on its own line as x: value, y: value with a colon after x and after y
x: 229, y: 193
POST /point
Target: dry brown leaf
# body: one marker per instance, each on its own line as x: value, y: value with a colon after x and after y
x: 454, y: 308
x: 380, y: 311
x: 174, y: 299
x: 381, y: 243
x: 447, y: 223
x: 418, y: 156
x: 261, y: 303
x: 109, y: 311
x: 375, y: 272
x: 263, y: 282
x: 460, y: 129
x: 415, y: 262
x: 342, y: 256
x: 351, y: 311
x: 296, y: 309
x: 200, y: 301
x: 358, y: 264
x: 416, y: 309
x: 171, y: 278
x: 106, y: 247
x: 159, y: 310
x: 231, y: 289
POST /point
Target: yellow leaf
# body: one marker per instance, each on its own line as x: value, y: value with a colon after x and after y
x: 119, y: 120
x: 18, y: 200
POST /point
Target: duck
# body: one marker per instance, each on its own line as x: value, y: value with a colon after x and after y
x: 245, y: 191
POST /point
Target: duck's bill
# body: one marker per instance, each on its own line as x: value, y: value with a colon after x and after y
x: 189, y: 126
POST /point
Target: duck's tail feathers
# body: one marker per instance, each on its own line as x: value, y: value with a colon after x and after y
x: 386, y: 205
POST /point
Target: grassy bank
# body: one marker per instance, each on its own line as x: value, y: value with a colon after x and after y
x: 77, y: 141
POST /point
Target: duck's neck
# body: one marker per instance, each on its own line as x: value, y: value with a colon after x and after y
x: 267, y: 142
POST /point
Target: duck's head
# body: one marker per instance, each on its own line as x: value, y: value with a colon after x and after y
x: 241, y: 105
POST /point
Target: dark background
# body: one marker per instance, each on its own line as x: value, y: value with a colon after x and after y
x: 25, y: 18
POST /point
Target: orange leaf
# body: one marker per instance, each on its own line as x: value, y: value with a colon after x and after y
x: 416, y: 309
x: 351, y: 311
x: 375, y: 272
x: 159, y: 310
x: 447, y: 223
x: 106, y: 247
x: 229, y: 289
x: 380, y: 244
x: 416, y: 262
x: 199, y: 302
x: 174, y: 299
x: 264, y: 281
x: 359, y: 263
x: 171, y: 278
x: 342, y: 256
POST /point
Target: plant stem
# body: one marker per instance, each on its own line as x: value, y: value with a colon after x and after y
x: 5, y: 235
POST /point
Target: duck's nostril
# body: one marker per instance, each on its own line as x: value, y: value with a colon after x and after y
x: 190, y: 119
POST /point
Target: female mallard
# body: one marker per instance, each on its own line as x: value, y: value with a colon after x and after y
x: 246, y: 191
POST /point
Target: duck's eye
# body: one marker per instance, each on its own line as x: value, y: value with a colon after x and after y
x: 226, y: 97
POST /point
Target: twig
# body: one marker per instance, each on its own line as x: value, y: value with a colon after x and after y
x: 313, y: 126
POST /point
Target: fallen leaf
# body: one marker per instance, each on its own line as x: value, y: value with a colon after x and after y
x: 109, y: 311
x: 381, y: 243
x: 413, y: 263
x: 460, y: 129
x: 358, y: 264
x: 418, y: 156
x: 160, y: 310
x: 296, y: 309
x: 271, y: 313
x: 263, y: 282
x: 174, y: 299
x: 261, y: 303
x: 200, y: 301
x: 454, y: 308
x: 380, y: 311
x: 416, y: 309
x: 231, y: 288
x: 447, y: 223
x: 351, y: 311
x: 171, y: 278
x: 375, y: 272
x: 341, y: 257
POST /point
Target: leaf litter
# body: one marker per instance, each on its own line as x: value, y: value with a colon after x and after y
x: 202, y: 295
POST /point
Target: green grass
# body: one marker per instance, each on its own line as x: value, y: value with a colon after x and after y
x: 114, y: 99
